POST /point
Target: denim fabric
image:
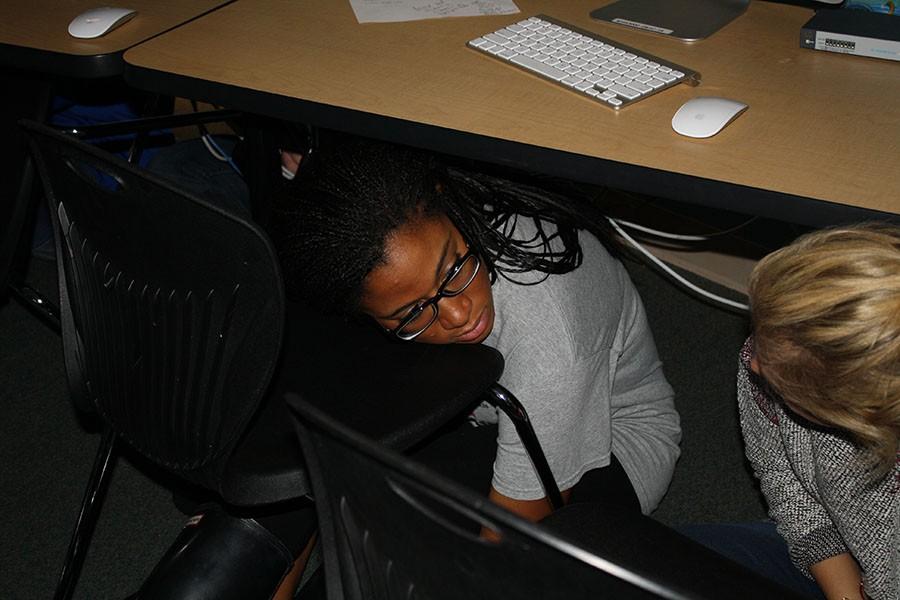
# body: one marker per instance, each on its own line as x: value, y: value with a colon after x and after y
x: 189, y: 166
x: 758, y: 546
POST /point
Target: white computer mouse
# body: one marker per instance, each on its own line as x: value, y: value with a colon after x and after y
x: 99, y: 21
x: 705, y: 116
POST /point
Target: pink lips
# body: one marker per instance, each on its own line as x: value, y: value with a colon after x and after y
x: 479, y: 329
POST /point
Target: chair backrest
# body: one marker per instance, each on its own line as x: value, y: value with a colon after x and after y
x: 172, y: 310
x: 393, y: 529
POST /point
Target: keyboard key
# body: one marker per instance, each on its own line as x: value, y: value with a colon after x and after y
x: 639, y: 87
x: 623, y: 91
x: 539, y: 67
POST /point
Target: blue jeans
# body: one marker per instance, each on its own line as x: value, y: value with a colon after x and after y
x: 190, y: 167
x: 758, y: 546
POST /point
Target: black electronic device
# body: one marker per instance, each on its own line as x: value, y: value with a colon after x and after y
x: 857, y: 32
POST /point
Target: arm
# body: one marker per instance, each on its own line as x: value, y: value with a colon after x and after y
x: 838, y: 577
x: 645, y: 425
x: 530, y: 510
x: 801, y: 519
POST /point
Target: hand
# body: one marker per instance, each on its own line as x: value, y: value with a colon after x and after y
x: 862, y: 593
x: 290, y: 162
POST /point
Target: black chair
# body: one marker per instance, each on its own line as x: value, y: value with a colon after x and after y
x: 391, y: 528
x: 173, y: 318
x: 21, y: 193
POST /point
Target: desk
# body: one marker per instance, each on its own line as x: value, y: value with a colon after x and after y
x: 34, y: 34
x: 819, y: 143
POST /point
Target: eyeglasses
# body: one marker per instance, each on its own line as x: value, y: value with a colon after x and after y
x: 461, y: 274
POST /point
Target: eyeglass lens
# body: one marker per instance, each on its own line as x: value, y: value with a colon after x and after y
x: 453, y: 287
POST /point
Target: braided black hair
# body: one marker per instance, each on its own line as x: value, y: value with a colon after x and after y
x: 331, y: 224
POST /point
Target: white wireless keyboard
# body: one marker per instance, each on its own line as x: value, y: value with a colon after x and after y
x: 584, y: 62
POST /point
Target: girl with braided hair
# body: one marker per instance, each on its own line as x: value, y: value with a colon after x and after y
x: 436, y: 254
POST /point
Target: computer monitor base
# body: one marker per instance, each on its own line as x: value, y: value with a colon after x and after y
x: 688, y: 20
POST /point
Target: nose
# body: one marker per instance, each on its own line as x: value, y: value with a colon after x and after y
x: 454, y: 311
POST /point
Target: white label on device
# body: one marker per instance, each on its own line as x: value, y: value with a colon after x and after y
x: 638, y: 25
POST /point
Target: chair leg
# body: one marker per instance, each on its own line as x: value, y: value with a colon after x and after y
x: 503, y: 399
x: 87, y: 517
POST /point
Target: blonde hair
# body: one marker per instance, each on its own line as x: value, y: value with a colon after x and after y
x: 826, y: 320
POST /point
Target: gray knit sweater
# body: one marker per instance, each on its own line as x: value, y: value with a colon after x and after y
x: 815, y: 484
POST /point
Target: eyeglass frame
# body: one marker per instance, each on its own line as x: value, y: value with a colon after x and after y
x: 433, y: 301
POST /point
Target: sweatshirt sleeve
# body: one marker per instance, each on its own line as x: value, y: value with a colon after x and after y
x: 646, y: 429
x: 801, y: 519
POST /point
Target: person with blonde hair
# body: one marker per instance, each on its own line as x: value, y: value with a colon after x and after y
x: 819, y: 398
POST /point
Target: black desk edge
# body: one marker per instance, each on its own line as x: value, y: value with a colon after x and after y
x: 81, y: 66
x: 585, y: 169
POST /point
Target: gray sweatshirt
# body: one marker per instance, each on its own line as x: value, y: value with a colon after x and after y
x: 580, y: 357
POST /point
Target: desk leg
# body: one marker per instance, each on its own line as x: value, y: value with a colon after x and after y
x: 26, y: 98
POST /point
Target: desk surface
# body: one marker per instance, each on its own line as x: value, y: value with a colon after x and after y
x: 34, y: 33
x: 819, y: 140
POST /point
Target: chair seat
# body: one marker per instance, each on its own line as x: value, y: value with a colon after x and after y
x: 353, y: 372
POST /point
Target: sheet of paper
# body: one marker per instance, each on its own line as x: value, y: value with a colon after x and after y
x: 389, y: 11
